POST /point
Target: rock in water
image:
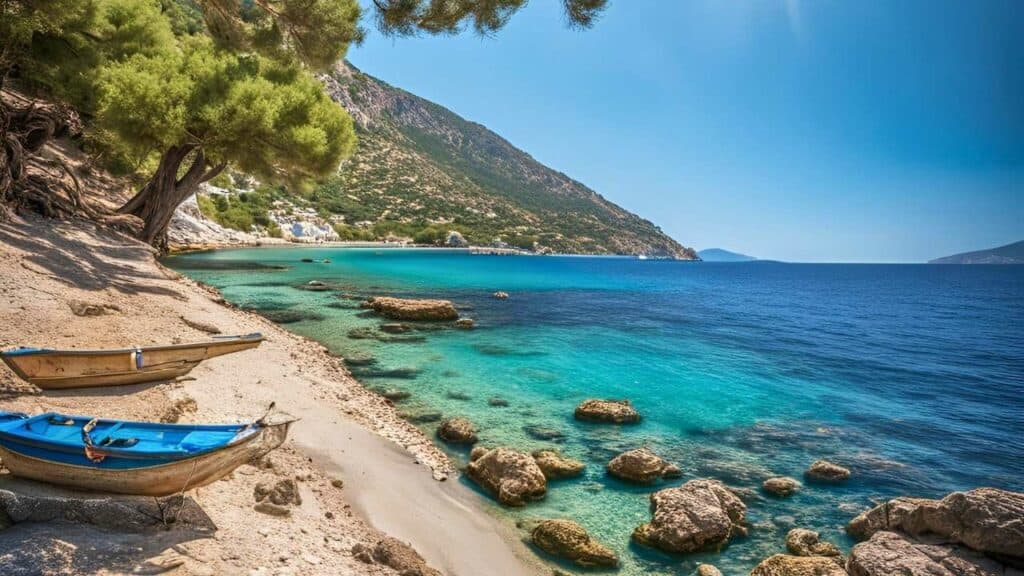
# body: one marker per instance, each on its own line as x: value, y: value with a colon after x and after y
x: 465, y: 323
x: 457, y: 431
x: 406, y: 309
x: 708, y: 570
x: 512, y: 477
x: 555, y: 466
x: 699, y: 515
x: 825, y: 471
x: 783, y: 565
x: 985, y: 519
x: 641, y: 466
x: 613, y: 411
x: 501, y: 295
x: 889, y: 553
x: 781, y: 486
x: 802, y: 542
x: 567, y: 539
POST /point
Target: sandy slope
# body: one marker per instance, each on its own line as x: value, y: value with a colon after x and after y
x: 46, y: 267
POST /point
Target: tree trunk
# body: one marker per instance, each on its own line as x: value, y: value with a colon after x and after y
x: 156, y: 202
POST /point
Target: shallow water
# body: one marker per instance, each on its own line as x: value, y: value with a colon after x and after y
x: 911, y: 375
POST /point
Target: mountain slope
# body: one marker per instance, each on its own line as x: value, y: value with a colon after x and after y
x: 1009, y: 254
x: 720, y: 255
x: 418, y: 161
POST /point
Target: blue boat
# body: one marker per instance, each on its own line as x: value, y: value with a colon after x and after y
x: 124, y: 457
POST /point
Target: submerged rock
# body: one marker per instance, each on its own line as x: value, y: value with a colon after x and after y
x: 802, y: 542
x: 613, y: 411
x: 500, y: 295
x: 497, y: 402
x: 407, y: 309
x: 555, y: 466
x: 825, y: 471
x: 422, y: 417
x: 567, y: 539
x: 465, y: 323
x: 783, y: 565
x: 395, y: 394
x: 641, y: 466
x: 512, y: 477
x: 708, y: 570
x: 889, y: 553
x: 985, y: 519
x: 781, y: 486
x: 544, y: 433
x: 699, y: 515
x: 395, y: 328
x: 457, y: 431
x: 289, y: 316
x: 360, y: 360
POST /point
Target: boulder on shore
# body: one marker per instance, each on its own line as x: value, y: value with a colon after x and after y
x: 408, y: 309
x: 512, y: 477
x: 888, y: 553
x: 783, y: 565
x: 642, y: 466
x: 612, y: 411
x: 555, y: 466
x: 985, y: 519
x: 567, y: 539
x: 825, y: 471
x: 457, y: 431
x: 401, y: 557
x: 803, y: 542
x: 699, y: 515
x: 781, y: 486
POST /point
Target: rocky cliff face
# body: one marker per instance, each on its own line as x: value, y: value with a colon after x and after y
x: 418, y: 160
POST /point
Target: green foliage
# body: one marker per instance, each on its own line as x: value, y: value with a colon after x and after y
x: 409, y: 17
x: 353, y: 233
x: 240, y: 211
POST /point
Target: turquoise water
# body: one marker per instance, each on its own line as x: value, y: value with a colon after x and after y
x: 912, y: 376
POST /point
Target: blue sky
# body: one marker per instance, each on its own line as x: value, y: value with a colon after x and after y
x: 826, y: 130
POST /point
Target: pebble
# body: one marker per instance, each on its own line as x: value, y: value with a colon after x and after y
x: 309, y: 558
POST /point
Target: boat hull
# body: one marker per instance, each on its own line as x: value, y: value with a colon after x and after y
x: 159, y: 480
x: 55, y: 369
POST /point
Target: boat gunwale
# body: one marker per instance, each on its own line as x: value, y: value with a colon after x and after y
x: 218, y: 341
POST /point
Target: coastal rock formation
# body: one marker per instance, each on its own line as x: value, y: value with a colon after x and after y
x: 457, y: 431
x: 406, y: 309
x: 555, y: 466
x: 803, y: 542
x: 888, y: 553
x: 708, y: 570
x: 567, y: 539
x: 401, y: 557
x: 612, y: 411
x: 512, y: 477
x: 781, y: 486
x: 828, y: 472
x: 985, y: 519
x: 783, y: 565
x: 698, y: 515
x: 642, y: 466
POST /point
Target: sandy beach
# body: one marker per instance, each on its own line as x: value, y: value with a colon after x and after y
x: 362, y: 471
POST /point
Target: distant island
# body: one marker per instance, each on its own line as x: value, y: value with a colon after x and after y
x: 720, y: 255
x: 1009, y: 254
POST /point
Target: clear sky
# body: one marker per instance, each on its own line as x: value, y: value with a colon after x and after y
x: 825, y: 130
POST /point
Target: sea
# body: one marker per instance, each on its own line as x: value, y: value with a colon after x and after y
x: 912, y: 376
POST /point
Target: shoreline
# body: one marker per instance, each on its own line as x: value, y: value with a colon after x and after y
x: 347, y: 432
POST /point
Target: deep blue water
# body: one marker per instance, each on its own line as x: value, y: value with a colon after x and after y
x: 911, y: 375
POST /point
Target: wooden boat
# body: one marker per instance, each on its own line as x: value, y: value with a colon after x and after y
x: 141, y: 458
x: 55, y: 369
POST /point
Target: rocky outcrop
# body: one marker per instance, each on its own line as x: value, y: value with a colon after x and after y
x: 611, y: 411
x: 699, y: 515
x: 826, y: 472
x: 555, y: 466
x: 407, y: 309
x: 985, y: 519
x: 282, y: 493
x: 512, y: 477
x: 803, y: 542
x: 783, y: 565
x: 781, y: 486
x: 642, y: 467
x: 457, y: 431
x: 567, y: 539
x: 889, y: 553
